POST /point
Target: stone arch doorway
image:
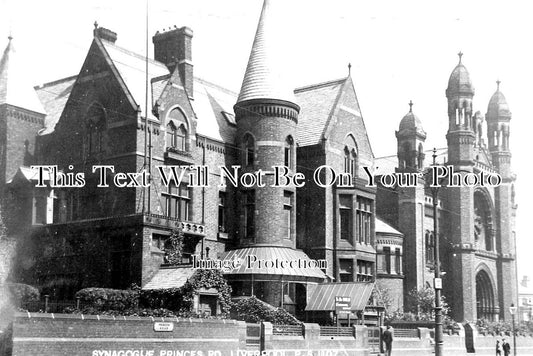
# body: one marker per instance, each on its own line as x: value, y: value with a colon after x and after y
x: 486, y: 304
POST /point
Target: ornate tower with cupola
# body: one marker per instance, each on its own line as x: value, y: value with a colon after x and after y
x: 498, y: 124
x: 411, y: 138
x: 461, y: 139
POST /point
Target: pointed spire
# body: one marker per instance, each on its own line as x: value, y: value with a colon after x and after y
x: 349, y: 69
x: 15, y: 86
x: 266, y: 75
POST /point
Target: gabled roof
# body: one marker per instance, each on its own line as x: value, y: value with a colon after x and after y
x: 27, y: 174
x: 266, y: 75
x: 54, y: 97
x: 15, y: 87
x: 131, y: 68
x: 317, y: 103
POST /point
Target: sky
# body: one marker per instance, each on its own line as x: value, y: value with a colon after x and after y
x: 399, y: 51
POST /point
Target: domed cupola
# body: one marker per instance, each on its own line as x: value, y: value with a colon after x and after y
x: 410, y: 137
x: 498, y: 107
x: 459, y: 82
x: 411, y: 123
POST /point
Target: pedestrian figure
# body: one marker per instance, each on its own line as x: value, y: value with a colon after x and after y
x: 506, y: 348
x: 498, y: 348
x: 387, y: 339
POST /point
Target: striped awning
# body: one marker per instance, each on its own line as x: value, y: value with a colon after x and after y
x: 321, y: 297
x: 273, y: 262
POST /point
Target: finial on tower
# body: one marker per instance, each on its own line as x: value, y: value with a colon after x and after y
x: 9, y: 37
x: 95, y: 25
x: 410, y: 106
x: 349, y: 69
x: 460, y: 54
x: 498, y: 85
x: 434, y: 156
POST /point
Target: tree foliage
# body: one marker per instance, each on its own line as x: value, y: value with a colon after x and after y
x: 424, y: 300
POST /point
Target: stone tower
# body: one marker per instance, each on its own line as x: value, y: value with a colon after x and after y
x: 411, y: 137
x: 498, y: 121
x: 461, y: 139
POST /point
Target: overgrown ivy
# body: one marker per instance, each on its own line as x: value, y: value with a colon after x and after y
x: 174, y: 248
x: 207, y: 278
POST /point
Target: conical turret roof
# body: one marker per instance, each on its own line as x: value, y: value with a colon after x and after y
x: 460, y: 81
x: 266, y: 74
x: 15, y: 87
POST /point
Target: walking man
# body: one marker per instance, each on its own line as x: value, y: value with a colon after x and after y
x: 506, y: 348
x: 498, y: 348
x: 387, y: 339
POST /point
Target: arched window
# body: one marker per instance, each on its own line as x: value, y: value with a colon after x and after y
x: 420, y: 157
x: 94, y: 130
x: 249, y: 150
x: 289, y: 152
x: 177, y: 131
x: 171, y: 135
x: 350, y: 156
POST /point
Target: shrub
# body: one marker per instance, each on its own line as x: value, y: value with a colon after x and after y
x: 23, y: 293
x: 253, y: 310
x: 109, y: 299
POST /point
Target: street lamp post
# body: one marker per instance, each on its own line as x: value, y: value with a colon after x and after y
x: 437, y: 282
x: 512, y: 309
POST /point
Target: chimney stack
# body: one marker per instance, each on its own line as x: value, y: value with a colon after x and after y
x: 104, y: 33
x: 174, y: 49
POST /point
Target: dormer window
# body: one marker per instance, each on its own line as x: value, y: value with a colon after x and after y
x: 177, y: 131
x: 176, y: 137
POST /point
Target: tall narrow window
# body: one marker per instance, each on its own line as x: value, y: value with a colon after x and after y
x: 287, y: 211
x: 94, y: 130
x: 386, y: 251
x: 249, y: 150
x: 177, y: 201
x: 222, y: 211
x: 181, y: 138
x: 249, y: 214
x: 398, y: 261
x: 346, y: 270
x: 363, y: 219
x: 346, y: 217
x: 350, y: 156
x: 171, y: 135
x: 289, y: 152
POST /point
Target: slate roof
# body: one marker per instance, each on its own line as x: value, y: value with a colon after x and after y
x: 384, y: 228
x: 316, y: 106
x: 213, y: 106
x: 54, y: 97
x: 132, y: 70
x: 15, y: 87
x: 266, y: 76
